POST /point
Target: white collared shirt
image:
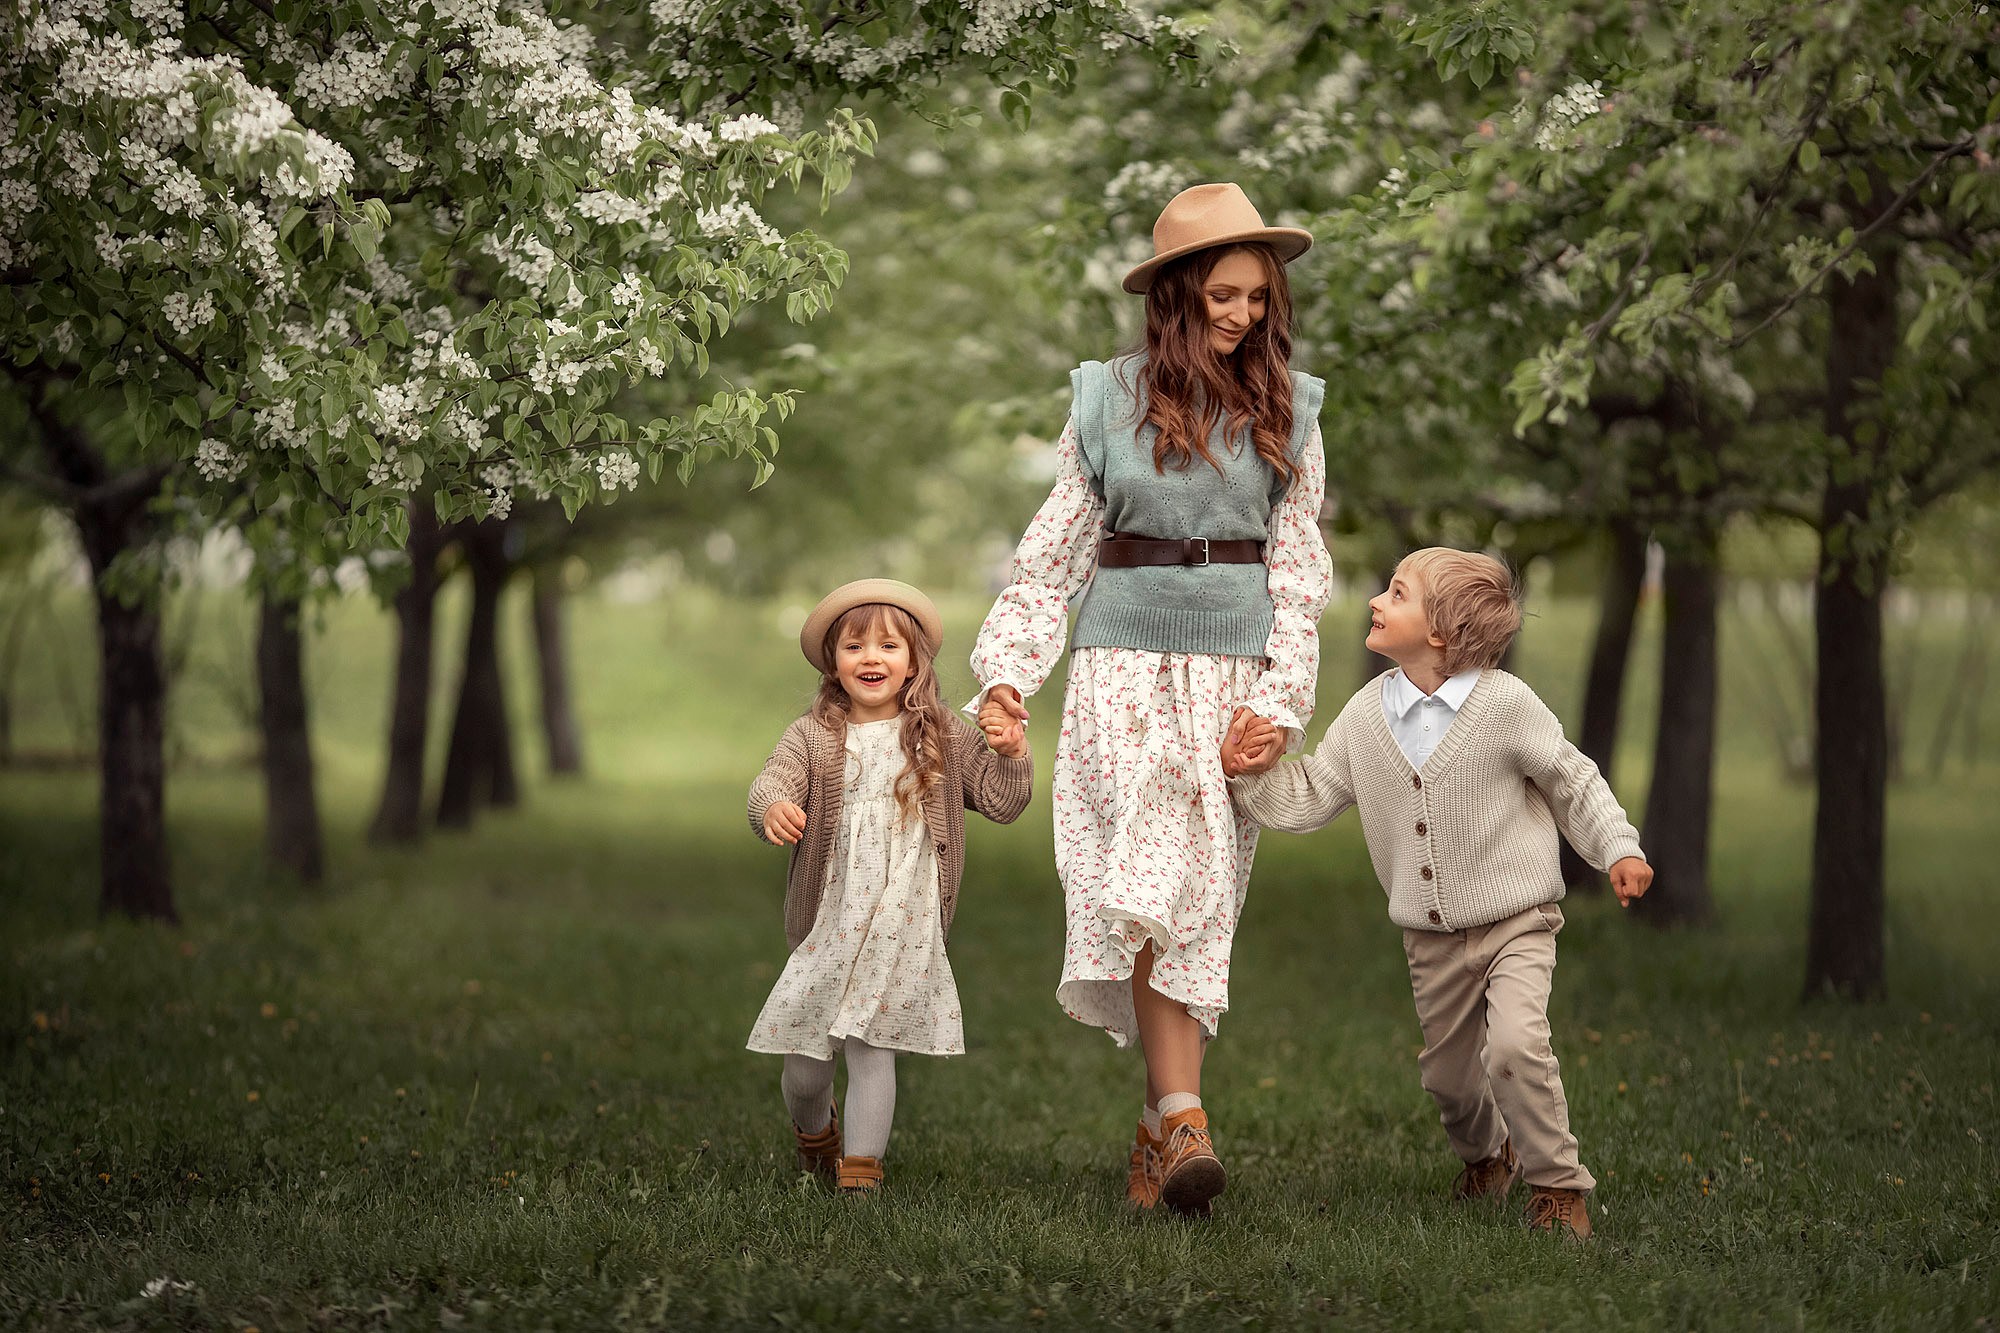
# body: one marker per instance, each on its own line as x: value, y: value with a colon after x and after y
x: 1419, y: 721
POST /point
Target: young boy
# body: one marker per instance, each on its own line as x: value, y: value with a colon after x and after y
x: 1463, y: 777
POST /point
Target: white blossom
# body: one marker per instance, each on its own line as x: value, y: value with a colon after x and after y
x: 617, y: 467
x: 216, y: 461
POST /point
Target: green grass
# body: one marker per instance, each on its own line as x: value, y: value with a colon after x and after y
x: 499, y: 1081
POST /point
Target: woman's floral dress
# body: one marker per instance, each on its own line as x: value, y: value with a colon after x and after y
x: 1148, y: 846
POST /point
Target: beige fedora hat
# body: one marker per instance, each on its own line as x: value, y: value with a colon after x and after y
x: 862, y: 592
x: 1207, y: 215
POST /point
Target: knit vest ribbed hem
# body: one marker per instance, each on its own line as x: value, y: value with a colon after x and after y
x: 1169, y: 629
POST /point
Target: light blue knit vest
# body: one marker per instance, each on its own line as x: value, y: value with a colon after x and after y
x: 1223, y: 609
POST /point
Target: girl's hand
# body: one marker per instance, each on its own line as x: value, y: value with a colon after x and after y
x: 784, y: 822
x: 1004, y: 733
x: 1630, y: 878
x: 1252, y: 745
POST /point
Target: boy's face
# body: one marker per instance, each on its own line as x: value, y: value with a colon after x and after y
x: 1398, y: 626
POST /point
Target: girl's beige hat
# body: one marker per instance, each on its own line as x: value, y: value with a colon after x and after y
x: 1208, y: 215
x: 863, y: 592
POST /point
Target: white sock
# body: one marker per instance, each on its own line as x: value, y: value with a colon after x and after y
x: 1151, y: 1115
x: 871, y: 1098
x: 808, y: 1087
x: 1176, y: 1102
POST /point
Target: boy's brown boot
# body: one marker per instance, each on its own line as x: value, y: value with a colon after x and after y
x: 1142, y: 1182
x: 859, y: 1175
x: 1489, y: 1177
x: 1191, y: 1175
x: 819, y: 1151
x: 1559, y: 1211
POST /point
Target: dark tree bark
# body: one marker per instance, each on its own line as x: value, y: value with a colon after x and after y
x: 1844, y: 934
x: 479, y: 766
x: 111, y: 513
x: 291, y: 800
x: 1604, y: 688
x: 1679, y: 801
x: 399, y: 818
x: 560, y: 732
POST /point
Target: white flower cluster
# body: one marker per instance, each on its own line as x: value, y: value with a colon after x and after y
x: 352, y: 76
x: 744, y: 129
x: 616, y: 468
x: 188, y: 315
x: 1142, y: 187
x: 995, y: 23
x: 216, y: 461
x: 1565, y: 111
x: 525, y: 256
x: 736, y: 218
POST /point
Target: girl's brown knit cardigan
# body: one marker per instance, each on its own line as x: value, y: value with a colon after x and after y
x: 809, y: 769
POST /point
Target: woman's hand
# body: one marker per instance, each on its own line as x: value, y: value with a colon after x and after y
x: 1004, y: 733
x: 1252, y: 745
x: 784, y: 822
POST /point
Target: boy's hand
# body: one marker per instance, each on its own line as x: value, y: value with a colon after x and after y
x: 784, y: 822
x: 1630, y: 878
x: 1004, y: 733
x: 1252, y: 745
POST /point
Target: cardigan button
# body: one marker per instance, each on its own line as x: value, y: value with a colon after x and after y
x: 941, y: 847
x: 1436, y: 920
x: 1426, y: 872
x: 1422, y: 828
x: 1416, y: 779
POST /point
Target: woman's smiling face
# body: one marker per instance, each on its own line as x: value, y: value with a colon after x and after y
x: 1237, y: 293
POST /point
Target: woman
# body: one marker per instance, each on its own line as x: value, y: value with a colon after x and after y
x: 1187, y: 502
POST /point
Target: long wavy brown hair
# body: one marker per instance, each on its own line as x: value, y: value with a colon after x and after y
x: 923, y: 731
x: 1188, y: 388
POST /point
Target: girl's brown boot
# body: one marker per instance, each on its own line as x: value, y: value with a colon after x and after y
x: 819, y: 1151
x: 1191, y: 1175
x: 1142, y: 1181
x: 859, y: 1175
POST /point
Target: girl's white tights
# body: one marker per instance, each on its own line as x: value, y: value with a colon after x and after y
x: 871, y: 1095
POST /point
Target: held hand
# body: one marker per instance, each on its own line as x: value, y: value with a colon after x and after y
x: 784, y: 822
x: 1252, y: 745
x: 1004, y: 734
x: 1630, y: 878
x: 1009, y: 699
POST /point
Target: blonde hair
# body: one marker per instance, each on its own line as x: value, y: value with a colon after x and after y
x: 924, y: 719
x: 1471, y: 601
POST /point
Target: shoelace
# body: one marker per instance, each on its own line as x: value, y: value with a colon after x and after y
x: 1173, y: 1144
x: 1548, y: 1208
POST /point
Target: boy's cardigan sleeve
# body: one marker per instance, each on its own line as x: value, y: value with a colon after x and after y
x: 784, y: 777
x: 995, y: 786
x: 1586, y: 811
x: 1301, y: 795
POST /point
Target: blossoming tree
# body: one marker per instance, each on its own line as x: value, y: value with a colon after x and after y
x: 285, y: 265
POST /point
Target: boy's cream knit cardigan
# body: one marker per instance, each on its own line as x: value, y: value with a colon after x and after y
x: 809, y: 769
x: 1471, y: 837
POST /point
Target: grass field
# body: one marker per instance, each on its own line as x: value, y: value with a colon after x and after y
x: 498, y: 1082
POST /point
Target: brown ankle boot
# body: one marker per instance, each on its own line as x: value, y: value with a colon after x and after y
x: 859, y: 1175
x: 1559, y: 1211
x: 1191, y: 1175
x: 1142, y: 1181
x: 819, y: 1151
x: 1489, y: 1178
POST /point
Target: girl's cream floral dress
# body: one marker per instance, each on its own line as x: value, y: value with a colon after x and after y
x: 873, y: 965
x: 1148, y: 846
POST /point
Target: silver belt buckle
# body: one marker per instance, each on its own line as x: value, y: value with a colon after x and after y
x: 1203, y: 562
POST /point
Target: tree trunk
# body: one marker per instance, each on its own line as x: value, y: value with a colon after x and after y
x: 479, y: 766
x: 1844, y: 934
x: 291, y: 801
x: 399, y: 818
x: 1679, y: 801
x: 559, y: 727
x: 1604, y: 689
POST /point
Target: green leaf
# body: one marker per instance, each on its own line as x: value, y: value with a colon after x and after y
x: 1808, y: 157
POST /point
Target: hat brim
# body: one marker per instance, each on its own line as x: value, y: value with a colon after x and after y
x: 1289, y: 242
x: 864, y: 592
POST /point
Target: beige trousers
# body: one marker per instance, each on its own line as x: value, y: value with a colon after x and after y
x: 1483, y: 1000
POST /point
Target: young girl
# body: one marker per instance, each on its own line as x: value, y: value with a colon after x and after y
x: 1187, y: 499
x: 870, y: 789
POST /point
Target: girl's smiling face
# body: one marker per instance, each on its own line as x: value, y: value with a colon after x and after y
x: 1237, y: 294
x: 873, y: 665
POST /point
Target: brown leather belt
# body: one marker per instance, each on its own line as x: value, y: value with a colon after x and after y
x: 1121, y: 550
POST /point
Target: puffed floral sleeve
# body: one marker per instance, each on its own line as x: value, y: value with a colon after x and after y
x: 1301, y: 582
x: 1024, y: 632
